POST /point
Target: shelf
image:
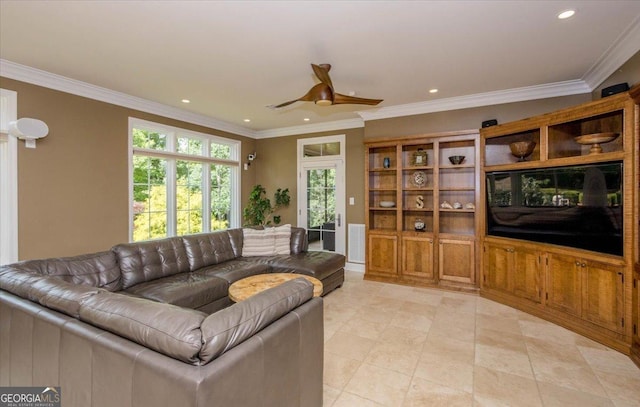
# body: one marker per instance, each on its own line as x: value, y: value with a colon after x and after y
x: 417, y: 210
x: 459, y: 189
x: 382, y: 170
x: 427, y: 168
x: 379, y: 208
x: 457, y: 167
x: 458, y: 210
x: 416, y: 189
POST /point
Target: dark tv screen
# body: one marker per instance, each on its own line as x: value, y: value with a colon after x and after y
x: 575, y: 206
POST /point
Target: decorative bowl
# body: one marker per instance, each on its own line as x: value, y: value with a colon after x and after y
x: 522, y: 149
x: 387, y: 204
x: 595, y: 140
x: 456, y: 159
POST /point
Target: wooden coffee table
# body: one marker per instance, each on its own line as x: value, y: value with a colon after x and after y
x: 247, y: 287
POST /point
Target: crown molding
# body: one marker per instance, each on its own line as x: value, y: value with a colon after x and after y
x: 622, y: 49
x: 548, y: 90
x: 310, y: 128
x: 50, y: 80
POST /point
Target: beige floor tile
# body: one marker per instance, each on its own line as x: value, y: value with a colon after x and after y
x: 556, y: 396
x: 363, y: 328
x: 438, y: 348
x: 421, y: 309
x: 548, y: 332
x: 329, y: 395
x: 423, y: 393
x: 493, y: 388
x: 351, y: 400
x: 504, y: 360
x: 495, y: 309
x: 381, y: 385
x: 393, y: 356
x: 349, y: 345
x: 501, y: 339
x: 391, y: 345
x: 403, y: 336
x: 403, y: 319
x: 562, y: 365
x: 497, y: 323
x: 609, y: 360
x: 446, y: 372
x: 338, y: 370
x: 623, y: 386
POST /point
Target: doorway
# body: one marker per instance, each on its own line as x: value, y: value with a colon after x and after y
x: 321, y: 200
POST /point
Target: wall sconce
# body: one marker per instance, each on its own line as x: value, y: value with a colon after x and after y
x: 250, y: 158
x: 28, y: 130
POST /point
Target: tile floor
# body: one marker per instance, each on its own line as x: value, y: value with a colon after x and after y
x: 391, y: 345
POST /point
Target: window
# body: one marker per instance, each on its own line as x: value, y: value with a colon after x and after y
x: 182, y: 182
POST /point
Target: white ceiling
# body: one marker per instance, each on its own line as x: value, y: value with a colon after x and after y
x: 233, y: 58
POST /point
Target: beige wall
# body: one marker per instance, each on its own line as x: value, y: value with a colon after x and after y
x: 73, y: 188
x: 276, y: 167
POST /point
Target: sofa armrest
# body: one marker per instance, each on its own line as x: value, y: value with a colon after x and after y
x: 227, y: 328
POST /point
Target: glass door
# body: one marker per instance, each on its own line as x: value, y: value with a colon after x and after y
x: 321, y: 201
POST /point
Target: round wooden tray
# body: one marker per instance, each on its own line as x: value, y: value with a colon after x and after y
x: 595, y: 140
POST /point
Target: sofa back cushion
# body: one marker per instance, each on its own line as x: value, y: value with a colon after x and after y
x: 299, y: 241
x: 206, y: 249
x: 165, y: 328
x: 94, y: 269
x: 229, y: 327
x: 146, y: 261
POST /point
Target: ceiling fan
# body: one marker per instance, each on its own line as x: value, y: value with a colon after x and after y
x: 323, y: 94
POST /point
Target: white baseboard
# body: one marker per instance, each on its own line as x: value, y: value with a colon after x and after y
x: 358, y: 267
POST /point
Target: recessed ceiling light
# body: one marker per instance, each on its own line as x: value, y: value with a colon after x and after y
x: 434, y: 90
x: 247, y: 120
x: 186, y: 101
x: 566, y: 14
x: 306, y: 119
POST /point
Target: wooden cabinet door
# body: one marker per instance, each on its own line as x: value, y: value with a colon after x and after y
x: 417, y: 257
x: 603, y: 294
x: 527, y: 274
x: 382, y: 257
x: 563, y: 288
x: 456, y: 260
x: 498, y: 266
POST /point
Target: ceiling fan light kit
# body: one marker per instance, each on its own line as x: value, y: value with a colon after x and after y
x: 323, y: 94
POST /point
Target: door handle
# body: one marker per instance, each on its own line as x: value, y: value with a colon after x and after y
x: 339, y: 220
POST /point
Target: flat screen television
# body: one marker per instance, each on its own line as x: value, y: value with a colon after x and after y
x: 576, y: 206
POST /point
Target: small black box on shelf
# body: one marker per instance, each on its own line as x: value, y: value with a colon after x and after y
x: 612, y: 90
x: 489, y: 123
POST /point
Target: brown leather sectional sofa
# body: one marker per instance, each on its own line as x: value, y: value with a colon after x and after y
x: 151, y: 324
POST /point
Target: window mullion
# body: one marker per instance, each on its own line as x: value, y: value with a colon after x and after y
x: 206, y: 197
x: 171, y: 187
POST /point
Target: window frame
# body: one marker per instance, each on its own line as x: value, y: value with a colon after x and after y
x: 172, y: 156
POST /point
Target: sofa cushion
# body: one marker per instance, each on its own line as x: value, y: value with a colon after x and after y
x: 146, y: 261
x: 235, y: 270
x: 316, y: 264
x: 94, y: 269
x: 191, y: 290
x: 168, y: 329
x: 205, y: 249
x: 233, y: 325
x: 60, y: 295
x: 258, y: 242
x: 282, y: 244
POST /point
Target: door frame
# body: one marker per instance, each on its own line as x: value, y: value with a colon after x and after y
x: 337, y: 161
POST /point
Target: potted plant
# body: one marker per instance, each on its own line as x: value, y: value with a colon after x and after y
x: 259, y: 210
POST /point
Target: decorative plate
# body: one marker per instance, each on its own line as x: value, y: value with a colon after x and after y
x: 419, y: 178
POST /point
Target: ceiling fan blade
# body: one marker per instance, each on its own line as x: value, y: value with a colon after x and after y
x: 283, y: 104
x: 340, y: 99
x: 320, y: 91
x: 322, y: 72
